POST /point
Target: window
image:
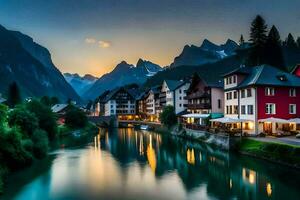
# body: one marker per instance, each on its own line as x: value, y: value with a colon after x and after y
x: 219, y: 103
x: 235, y: 110
x: 270, y: 108
x: 180, y: 98
x: 226, y: 81
x: 292, y: 92
x: 250, y: 109
x: 229, y: 95
x: 235, y: 94
x: 292, y: 108
x: 234, y: 79
x: 230, y: 109
x: 112, y: 111
x: 180, y: 91
x: 111, y: 106
x: 269, y: 91
x: 180, y: 105
x: 243, y: 110
x: 249, y: 94
x: 242, y: 93
x: 229, y: 80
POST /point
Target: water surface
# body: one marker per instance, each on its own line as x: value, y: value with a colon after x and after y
x: 129, y: 164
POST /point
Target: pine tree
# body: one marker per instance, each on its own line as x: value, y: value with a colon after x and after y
x: 273, y: 50
x: 290, y: 42
x: 241, y: 41
x: 258, y: 31
x: 14, y: 96
x: 258, y: 37
x: 298, y: 42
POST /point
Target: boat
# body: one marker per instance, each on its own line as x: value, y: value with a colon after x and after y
x: 144, y: 127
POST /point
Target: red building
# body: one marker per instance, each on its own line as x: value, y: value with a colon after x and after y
x: 264, y: 97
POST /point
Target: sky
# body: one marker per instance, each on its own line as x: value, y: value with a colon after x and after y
x: 93, y: 36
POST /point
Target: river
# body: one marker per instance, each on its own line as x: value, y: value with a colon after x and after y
x: 129, y: 164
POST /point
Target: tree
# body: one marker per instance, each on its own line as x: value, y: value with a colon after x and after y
x: 40, y: 143
x: 46, y: 118
x: 290, y: 42
x: 46, y: 101
x: 54, y: 100
x: 258, y: 37
x: 298, y: 42
x: 24, y: 119
x: 75, y: 118
x: 14, y: 96
x: 273, y: 50
x: 3, y: 113
x: 241, y: 41
x: 168, y: 116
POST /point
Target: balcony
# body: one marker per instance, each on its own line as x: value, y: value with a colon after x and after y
x: 162, y: 95
x: 199, y: 106
x: 198, y: 95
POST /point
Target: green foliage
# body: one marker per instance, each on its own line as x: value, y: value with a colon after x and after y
x: 24, y: 119
x: 14, y: 96
x: 46, y: 118
x: 168, y: 116
x: 40, y: 143
x: 49, y: 101
x: 3, y: 113
x: 275, y: 151
x: 75, y: 118
x: 12, y: 152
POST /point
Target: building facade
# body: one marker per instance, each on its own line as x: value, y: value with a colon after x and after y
x: 259, y: 94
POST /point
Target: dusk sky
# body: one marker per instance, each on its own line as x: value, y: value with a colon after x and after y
x: 92, y: 36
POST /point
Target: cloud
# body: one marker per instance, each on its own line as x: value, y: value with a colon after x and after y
x: 104, y: 44
x: 90, y: 40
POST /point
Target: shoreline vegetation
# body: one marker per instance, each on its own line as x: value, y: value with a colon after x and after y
x: 28, y: 130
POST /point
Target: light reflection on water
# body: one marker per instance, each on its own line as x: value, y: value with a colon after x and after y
x: 128, y: 164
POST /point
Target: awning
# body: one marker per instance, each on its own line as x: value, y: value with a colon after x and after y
x: 275, y: 120
x: 196, y: 115
x: 225, y: 120
x: 295, y: 120
x: 216, y: 115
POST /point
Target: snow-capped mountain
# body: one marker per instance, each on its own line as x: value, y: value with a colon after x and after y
x: 121, y: 75
x: 208, y: 52
x: 80, y: 84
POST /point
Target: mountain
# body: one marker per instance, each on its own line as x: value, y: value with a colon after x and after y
x: 80, y: 84
x: 123, y: 74
x: 30, y: 65
x: 208, y: 52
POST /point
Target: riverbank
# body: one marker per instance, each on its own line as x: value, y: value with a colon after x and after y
x: 284, y: 154
x: 280, y: 153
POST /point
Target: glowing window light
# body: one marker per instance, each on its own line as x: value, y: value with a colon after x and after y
x: 190, y: 156
x: 269, y: 189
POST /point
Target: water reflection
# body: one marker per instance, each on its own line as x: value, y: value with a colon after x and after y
x: 128, y: 164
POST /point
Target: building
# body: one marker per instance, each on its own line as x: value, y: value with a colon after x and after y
x: 264, y: 97
x: 121, y: 102
x: 204, y: 98
x: 99, y: 106
x: 60, y: 110
x: 152, y: 103
x: 173, y: 93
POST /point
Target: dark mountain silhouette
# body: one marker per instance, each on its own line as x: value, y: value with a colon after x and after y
x: 30, y: 65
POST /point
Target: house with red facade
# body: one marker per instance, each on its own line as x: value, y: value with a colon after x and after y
x: 264, y: 97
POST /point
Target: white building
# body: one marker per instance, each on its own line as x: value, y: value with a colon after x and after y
x: 173, y: 93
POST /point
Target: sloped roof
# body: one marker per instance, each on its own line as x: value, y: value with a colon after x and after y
x: 132, y: 92
x: 173, y: 85
x: 58, y: 107
x: 212, y: 81
x: 268, y: 75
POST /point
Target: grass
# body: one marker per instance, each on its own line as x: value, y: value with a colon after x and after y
x: 278, y: 152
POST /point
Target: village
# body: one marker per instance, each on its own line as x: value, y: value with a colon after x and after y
x: 256, y: 101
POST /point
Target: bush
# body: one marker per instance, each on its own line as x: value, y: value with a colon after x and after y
x: 75, y: 118
x: 24, y: 119
x: 11, y: 150
x: 3, y: 113
x: 168, y: 116
x: 40, y: 143
x: 46, y: 118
